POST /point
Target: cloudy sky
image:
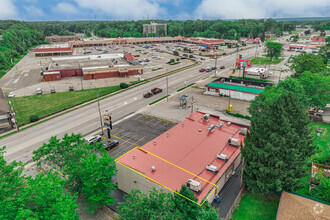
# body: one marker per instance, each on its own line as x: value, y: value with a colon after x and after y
x: 35, y: 10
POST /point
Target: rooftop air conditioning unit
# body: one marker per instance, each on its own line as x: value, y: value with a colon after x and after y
x: 220, y: 125
x: 194, y: 185
x: 206, y: 117
x: 211, y: 128
x: 222, y: 157
x: 233, y: 141
x: 212, y: 168
x: 243, y: 131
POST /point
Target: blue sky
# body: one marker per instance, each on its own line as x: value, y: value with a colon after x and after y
x: 36, y: 10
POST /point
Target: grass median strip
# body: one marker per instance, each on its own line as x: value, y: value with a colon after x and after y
x: 185, y: 87
x: 158, y: 100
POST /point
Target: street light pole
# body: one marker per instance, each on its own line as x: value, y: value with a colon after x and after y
x: 98, y: 103
x: 167, y: 88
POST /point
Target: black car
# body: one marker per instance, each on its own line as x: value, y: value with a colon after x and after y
x: 52, y: 91
x: 111, y: 144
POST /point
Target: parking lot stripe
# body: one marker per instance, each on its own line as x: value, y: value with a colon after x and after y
x: 149, y: 121
x: 129, y: 146
x: 164, y: 125
x: 118, y: 132
x: 125, y: 134
x: 138, y: 117
x: 160, y: 120
x: 129, y: 139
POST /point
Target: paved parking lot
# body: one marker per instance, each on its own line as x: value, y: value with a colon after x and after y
x: 135, y: 132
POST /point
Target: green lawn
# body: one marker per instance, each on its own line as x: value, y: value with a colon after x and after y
x: 253, y: 206
x: 271, y: 39
x: 46, y: 104
x: 265, y: 61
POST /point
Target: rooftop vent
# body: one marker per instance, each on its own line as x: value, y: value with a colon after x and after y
x: 212, y: 168
x: 220, y: 125
x: 211, y: 128
x: 233, y: 142
x: 194, y: 185
x: 243, y: 131
x: 133, y: 156
x: 222, y: 157
x: 206, y: 117
x: 153, y: 169
x: 228, y: 123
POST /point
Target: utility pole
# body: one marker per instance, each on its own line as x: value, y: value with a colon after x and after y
x: 215, y: 65
x: 13, y: 119
x: 167, y: 88
x: 98, y: 103
x: 192, y: 104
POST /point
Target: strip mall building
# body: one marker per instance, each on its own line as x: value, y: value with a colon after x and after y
x: 201, y: 152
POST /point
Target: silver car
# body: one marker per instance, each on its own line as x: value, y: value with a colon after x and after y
x: 93, y: 139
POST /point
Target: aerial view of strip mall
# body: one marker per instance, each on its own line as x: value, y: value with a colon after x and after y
x: 164, y: 110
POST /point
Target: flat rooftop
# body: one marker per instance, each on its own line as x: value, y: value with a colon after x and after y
x: 87, y: 62
x: 48, y: 46
x: 248, y: 89
x: 184, y: 151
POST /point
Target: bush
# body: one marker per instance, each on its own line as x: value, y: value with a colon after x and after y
x: 229, y: 45
x: 224, y: 53
x: 172, y: 60
x: 177, y: 59
x: 176, y: 53
x: 185, y: 55
x: 34, y: 118
x: 123, y: 85
x: 191, y: 56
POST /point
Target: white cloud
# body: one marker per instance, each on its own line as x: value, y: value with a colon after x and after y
x: 124, y: 9
x: 8, y: 10
x: 34, y: 12
x: 262, y: 8
x: 65, y: 8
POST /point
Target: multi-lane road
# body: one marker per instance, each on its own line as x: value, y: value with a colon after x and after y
x: 86, y: 119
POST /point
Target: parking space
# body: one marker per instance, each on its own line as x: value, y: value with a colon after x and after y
x: 135, y: 132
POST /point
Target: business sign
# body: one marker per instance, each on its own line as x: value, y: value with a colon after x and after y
x: 242, y: 62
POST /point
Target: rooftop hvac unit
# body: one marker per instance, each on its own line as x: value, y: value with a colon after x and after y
x: 222, y: 157
x: 206, y: 117
x: 211, y: 128
x: 220, y: 125
x: 194, y: 185
x: 212, y: 168
x: 234, y: 142
x: 243, y: 131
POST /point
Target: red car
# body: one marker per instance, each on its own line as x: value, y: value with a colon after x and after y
x: 137, y: 55
x: 202, y: 70
x: 222, y: 67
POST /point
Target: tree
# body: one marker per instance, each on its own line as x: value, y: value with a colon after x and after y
x: 88, y: 168
x: 273, y: 50
x: 137, y: 34
x: 176, y: 53
x: 160, y: 205
x: 316, y: 87
x: 322, y: 190
x: 307, y: 62
x: 278, y: 143
x: 263, y: 37
x: 294, y: 38
x: 162, y: 32
x: 151, y: 34
x: 324, y: 52
x: 307, y: 32
x: 43, y: 197
x: 127, y: 34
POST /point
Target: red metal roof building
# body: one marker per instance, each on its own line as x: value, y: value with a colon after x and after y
x: 183, y: 153
x: 53, y: 50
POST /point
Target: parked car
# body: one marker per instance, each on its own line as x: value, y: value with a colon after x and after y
x: 11, y: 95
x: 92, y: 139
x: 156, y: 90
x: 111, y: 144
x: 222, y: 67
x: 52, y: 91
x: 71, y: 88
x: 168, y: 62
x: 136, y: 55
x: 213, y: 68
x: 147, y: 94
x: 39, y: 91
x: 202, y: 58
x: 202, y: 70
x: 208, y: 69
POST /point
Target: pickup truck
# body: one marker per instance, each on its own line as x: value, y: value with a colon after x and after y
x: 156, y: 90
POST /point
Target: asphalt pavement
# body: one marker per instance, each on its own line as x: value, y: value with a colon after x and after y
x: 86, y: 119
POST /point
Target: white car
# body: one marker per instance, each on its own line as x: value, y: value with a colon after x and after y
x: 11, y: 95
x: 92, y: 139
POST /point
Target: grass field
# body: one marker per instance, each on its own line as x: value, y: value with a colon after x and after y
x: 253, y: 206
x: 46, y: 104
x: 265, y: 61
x: 271, y: 39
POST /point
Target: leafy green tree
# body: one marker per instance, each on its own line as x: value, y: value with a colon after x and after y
x: 151, y: 34
x: 294, y: 38
x: 273, y: 50
x: 137, y: 34
x: 127, y: 34
x: 317, y: 87
x: 307, y: 62
x: 188, y: 209
x: 88, y: 168
x: 322, y: 190
x: 324, y: 52
x: 278, y: 143
x: 175, y: 53
x: 162, y: 32
x: 263, y: 37
x: 43, y: 197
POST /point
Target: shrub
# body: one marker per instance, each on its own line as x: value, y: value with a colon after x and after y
x: 224, y: 53
x: 191, y: 56
x: 229, y: 45
x: 34, y: 118
x: 123, y: 85
x: 185, y: 55
x: 172, y: 60
x: 177, y: 59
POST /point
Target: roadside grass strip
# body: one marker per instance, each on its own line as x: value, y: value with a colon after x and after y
x: 158, y: 100
x: 185, y: 87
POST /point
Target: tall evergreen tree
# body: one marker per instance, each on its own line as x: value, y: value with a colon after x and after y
x: 278, y: 143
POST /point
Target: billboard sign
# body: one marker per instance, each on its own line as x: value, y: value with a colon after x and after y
x: 242, y: 62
